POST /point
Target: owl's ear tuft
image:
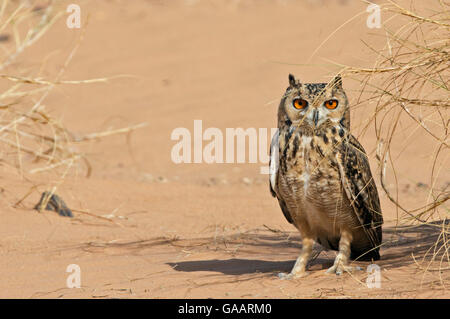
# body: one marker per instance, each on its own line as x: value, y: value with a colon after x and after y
x: 292, y: 81
x: 336, y: 83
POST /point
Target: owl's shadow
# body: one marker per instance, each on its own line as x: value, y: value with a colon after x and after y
x: 233, y: 266
x: 398, y: 244
x: 241, y: 266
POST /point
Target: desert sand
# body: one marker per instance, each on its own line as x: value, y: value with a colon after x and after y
x: 146, y: 227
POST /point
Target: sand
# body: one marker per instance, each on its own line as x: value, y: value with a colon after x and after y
x: 193, y: 230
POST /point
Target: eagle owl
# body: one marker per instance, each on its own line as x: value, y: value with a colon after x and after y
x: 321, y: 177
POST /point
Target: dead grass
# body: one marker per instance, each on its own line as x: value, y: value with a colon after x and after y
x: 32, y: 139
x: 409, y: 83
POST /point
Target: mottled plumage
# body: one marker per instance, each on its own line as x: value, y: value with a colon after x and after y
x: 321, y: 177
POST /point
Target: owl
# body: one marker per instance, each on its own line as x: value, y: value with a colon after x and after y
x: 321, y: 176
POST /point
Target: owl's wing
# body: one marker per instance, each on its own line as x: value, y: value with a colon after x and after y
x: 274, y: 165
x: 361, y: 190
x: 274, y: 162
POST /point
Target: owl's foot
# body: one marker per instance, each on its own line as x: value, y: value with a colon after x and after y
x: 341, y: 262
x: 339, y: 269
x: 289, y: 276
x: 299, y: 269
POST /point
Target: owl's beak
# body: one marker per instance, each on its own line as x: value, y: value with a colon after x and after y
x: 315, y: 117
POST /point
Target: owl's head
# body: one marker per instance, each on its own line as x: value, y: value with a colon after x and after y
x: 313, y: 104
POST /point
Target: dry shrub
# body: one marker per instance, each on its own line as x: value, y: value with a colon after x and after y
x: 409, y: 84
x: 29, y: 135
x: 32, y: 140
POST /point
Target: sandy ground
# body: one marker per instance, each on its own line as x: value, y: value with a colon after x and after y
x: 193, y: 230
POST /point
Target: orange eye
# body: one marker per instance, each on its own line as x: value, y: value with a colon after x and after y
x: 331, y: 104
x: 299, y: 103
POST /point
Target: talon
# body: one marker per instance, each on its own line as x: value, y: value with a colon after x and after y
x: 284, y: 276
x: 331, y: 270
x: 289, y: 276
x: 339, y: 269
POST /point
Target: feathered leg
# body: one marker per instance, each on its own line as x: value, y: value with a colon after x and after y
x: 341, y: 262
x: 299, y: 269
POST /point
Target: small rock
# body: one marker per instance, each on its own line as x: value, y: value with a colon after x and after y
x: 53, y: 202
x: 162, y: 179
x: 4, y: 37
